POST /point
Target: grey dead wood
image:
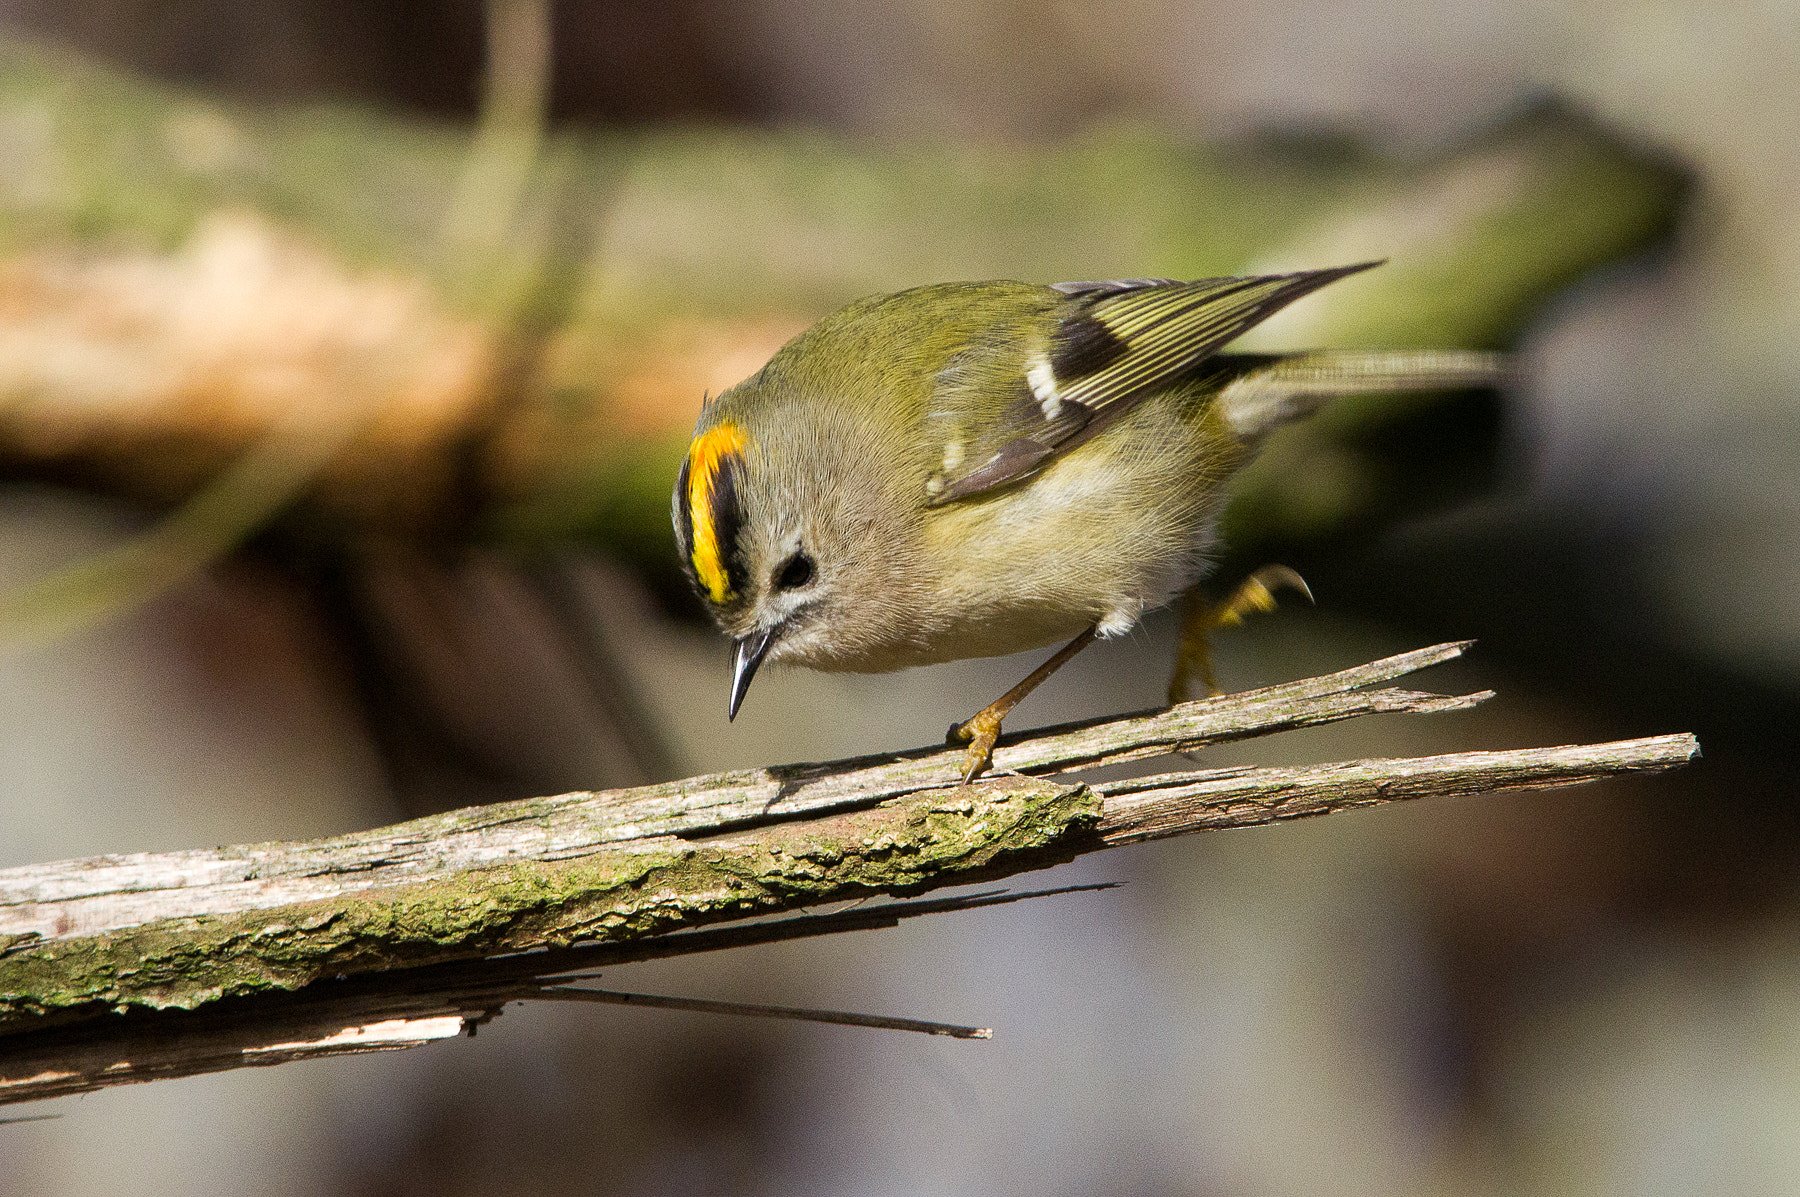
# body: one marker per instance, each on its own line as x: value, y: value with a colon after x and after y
x: 126, y: 968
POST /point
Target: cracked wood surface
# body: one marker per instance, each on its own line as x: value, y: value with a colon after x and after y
x: 93, y: 952
x: 87, y: 897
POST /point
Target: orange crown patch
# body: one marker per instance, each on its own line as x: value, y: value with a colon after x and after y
x: 712, y: 506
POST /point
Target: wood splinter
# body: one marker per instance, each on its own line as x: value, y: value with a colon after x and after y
x: 127, y: 968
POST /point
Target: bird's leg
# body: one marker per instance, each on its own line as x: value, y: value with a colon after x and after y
x: 1194, y: 657
x: 980, y: 732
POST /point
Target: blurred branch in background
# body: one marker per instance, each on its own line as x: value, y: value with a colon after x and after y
x: 514, y: 114
x: 89, y: 944
x: 308, y: 425
x: 676, y: 261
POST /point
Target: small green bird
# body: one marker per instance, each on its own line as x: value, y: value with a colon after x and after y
x: 973, y: 469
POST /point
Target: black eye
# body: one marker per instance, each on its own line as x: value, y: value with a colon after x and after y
x: 796, y: 572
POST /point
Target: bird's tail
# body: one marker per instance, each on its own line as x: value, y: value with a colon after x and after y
x: 1289, y: 388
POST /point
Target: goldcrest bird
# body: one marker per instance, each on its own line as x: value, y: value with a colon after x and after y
x: 973, y: 469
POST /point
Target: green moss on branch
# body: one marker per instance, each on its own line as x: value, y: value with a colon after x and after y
x: 900, y: 846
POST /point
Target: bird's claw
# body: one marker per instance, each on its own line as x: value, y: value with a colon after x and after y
x: 1255, y: 593
x: 980, y: 733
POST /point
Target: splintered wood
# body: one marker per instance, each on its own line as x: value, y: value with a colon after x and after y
x: 125, y: 968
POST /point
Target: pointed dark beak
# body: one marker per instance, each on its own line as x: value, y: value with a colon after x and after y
x: 750, y: 652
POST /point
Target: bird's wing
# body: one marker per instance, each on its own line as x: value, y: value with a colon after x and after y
x: 1112, y: 344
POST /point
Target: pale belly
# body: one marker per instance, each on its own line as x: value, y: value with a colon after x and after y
x: 1117, y: 528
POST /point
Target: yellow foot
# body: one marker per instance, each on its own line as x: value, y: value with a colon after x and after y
x: 1254, y: 593
x: 983, y: 728
x: 979, y: 733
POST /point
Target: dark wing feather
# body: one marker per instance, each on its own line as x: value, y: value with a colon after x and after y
x: 1113, y: 344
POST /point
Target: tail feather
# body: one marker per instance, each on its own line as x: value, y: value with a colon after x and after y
x: 1291, y: 388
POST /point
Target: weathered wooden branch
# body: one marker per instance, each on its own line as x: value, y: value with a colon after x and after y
x: 130, y: 967
x: 390, y: 1011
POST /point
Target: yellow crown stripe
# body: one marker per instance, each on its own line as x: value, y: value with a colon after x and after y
x: 705, y: 457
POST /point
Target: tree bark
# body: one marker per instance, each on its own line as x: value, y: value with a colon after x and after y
x: 175, y: 962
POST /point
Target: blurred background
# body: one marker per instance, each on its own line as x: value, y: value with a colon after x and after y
x: 346, y: 350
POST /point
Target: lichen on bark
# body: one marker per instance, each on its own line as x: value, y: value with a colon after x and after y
x: 648, y: 888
